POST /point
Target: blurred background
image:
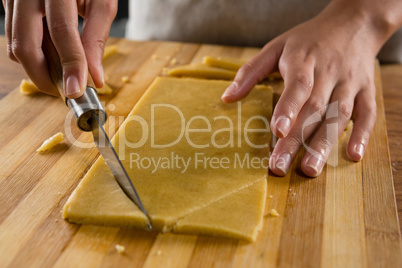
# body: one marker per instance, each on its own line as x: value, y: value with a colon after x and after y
x: 117, y: 29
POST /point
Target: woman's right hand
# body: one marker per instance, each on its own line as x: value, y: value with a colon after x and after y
x: 78, y: 54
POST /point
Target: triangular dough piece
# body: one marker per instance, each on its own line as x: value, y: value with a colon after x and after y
x: 99, y: 200
x: 228, y: 152
x: 238, y: 215
x: 202, y: 71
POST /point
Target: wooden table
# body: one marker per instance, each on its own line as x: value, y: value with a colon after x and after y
x: 12, y: 73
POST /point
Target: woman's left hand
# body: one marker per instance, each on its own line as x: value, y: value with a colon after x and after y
x: 327, y: 65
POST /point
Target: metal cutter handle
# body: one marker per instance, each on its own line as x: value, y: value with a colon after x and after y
x: 83, y: 107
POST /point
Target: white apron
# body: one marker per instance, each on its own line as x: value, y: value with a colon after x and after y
x: 228, y: 22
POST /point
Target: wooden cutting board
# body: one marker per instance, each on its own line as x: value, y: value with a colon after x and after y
x: 344, y: 218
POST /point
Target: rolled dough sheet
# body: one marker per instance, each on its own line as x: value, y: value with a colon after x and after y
x: 199, y: 171
x: 202, y: 71
x: 51, y: 142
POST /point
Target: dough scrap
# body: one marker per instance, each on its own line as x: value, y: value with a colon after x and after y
x: 179, y: 199
x: 202, y: 71
x: 274, y: 213
x: 120, y: 249
x: 27, y: 87
x: 125, y: 79
x: 109, y: 51
x: 105, y: 90
x: 51, y: 142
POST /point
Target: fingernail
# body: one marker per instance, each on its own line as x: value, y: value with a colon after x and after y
x: 283, y: 162
x: 359, y: 149
x: 231, y: 90
x: 72, y: 86
x: 316, y: 163
x: 282, y: 125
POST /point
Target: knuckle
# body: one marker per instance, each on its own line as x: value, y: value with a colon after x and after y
x: 345, y: 109
x: 317, y: 105
x: 246, y: 68
x: 304, y: 81
x: 74, y: 58
x: 72, y: 62
x: 369, y: 108
x: 372, y: 110
x: 367, y: 82
x: 282, y: 64
x: 294, y: 142
x: 331, y: 67
x: 292, y: 106
x: 100, y: 43
x: 324, y: 144
x: 363, y: 132
x: 110, y: 9
x: 61, y: 27
x: 10, y: 53
x: 17, y: 49
x: 248, y: 71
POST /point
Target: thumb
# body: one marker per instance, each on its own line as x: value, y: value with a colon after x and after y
x: 255, y: 70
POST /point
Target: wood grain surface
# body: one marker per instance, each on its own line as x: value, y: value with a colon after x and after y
x: 345, y: 218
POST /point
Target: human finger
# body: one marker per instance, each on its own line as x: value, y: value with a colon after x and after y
x: 298, y: 76
x: 27, y: 34
x: 365, y: 116
x: 98, y: 19
x: 255, y: 70
x: 337, y: 116
x: 9, y: 9
x: 62, y: 21
x: 310, y: 117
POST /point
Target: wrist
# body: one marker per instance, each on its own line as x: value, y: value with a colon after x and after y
x: 374, y: 20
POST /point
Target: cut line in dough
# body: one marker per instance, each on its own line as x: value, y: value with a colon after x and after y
x: 174, y: 195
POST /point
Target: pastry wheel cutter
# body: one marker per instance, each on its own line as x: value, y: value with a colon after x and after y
x: 90, y: 115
